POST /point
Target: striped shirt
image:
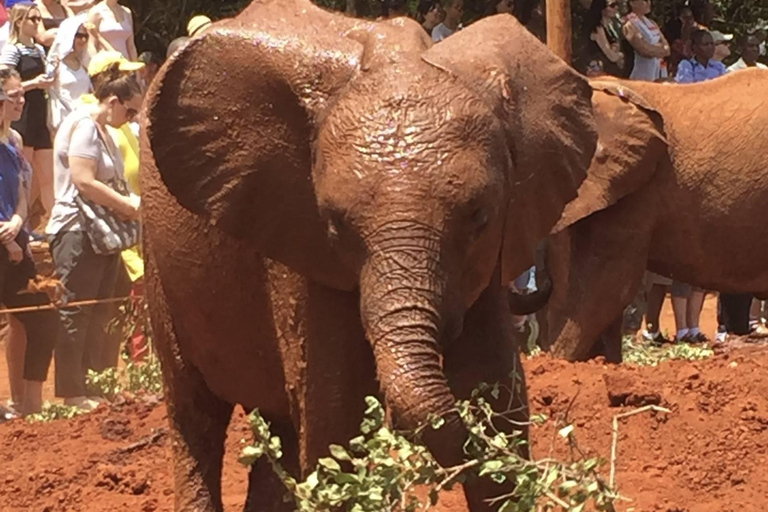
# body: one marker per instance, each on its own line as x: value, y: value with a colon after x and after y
x: 12, y: 54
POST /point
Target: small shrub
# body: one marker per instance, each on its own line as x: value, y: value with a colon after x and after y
x: 646, y: 354
x: 51, y: 412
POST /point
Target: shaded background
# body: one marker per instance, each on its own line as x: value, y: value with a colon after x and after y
x: 158, y: 22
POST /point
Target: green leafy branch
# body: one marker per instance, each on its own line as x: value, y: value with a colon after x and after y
x: 381, y: 469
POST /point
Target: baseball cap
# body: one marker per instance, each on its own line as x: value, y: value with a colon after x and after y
x: 103, y: 60
x: 719, y: 37
x: 197, y: 23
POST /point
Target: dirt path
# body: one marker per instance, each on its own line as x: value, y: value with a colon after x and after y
x: 708, y: 455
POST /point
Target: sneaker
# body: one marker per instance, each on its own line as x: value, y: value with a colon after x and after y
x: 699, y: 338
x: 82, y: 403
x: 720, y: 338
x: 657, y: 339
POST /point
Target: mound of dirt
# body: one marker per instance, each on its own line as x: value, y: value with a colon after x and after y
x: 708, y: 454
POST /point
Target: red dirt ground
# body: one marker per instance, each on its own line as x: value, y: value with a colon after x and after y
x: 707, y: 455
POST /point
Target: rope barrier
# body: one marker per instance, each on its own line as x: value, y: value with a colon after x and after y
x: 46, y: 307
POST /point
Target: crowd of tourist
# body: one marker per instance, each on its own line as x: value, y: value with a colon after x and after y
x: 71, y: 86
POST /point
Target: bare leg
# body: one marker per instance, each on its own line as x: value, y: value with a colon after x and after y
x: 42, y: 165
x: 680, y: 309
x: 695, y: 305
x: 15, y: 351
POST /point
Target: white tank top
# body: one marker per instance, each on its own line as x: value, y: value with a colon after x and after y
x: 115, y: 33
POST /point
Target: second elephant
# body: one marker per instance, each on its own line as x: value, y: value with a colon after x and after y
x: 678, y: 185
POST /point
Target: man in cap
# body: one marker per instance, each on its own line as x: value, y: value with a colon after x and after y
x: 722, y: 45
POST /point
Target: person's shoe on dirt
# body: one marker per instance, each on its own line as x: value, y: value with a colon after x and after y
x: 82, y: 403
x: 656, y: 338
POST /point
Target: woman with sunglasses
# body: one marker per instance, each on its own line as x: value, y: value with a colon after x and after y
x: 72, y: 80
x: 602, y: 32
x: 31, y: 335
x: 87, y: 164
x: 28, y: 58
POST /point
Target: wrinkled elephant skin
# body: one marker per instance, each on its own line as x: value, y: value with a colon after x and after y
x: 678, y: 184
x: 331, y: 208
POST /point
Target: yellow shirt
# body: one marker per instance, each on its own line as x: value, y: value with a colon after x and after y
x: 128, y: 144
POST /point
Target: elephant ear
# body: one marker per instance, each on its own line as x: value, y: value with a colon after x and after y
x: 230, y: 120
x: 631, y: 142
x: 546, y: 110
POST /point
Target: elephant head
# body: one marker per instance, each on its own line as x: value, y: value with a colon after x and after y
x: 356, y: 154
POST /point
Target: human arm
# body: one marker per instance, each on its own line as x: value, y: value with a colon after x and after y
x: 10, y: 230
x: 684, y: 73
x: 84, y: 153
x: 133, y: 54
x: 84, y: 179
x: 614, y: 55
x: 643, y: 47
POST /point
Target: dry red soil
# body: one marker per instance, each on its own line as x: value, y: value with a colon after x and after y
x: 708, y: 454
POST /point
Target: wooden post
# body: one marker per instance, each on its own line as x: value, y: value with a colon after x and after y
x: 559, y: 28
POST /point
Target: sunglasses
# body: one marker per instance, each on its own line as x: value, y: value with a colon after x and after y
x: 35, y: 19
x: 130, y: 113
x: 81, y: 35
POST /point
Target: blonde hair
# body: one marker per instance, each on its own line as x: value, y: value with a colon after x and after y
x: 5, y: 75
x: 19, y: 14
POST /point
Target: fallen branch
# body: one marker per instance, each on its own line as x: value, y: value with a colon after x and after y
x: 615, y: 429
x: 142, y: 443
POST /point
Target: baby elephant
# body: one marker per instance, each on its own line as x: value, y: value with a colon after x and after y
x: 331, y: 209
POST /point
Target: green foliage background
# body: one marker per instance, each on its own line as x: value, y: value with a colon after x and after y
x: 158, y: 22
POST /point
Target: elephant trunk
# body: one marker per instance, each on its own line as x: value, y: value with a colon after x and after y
x: 402, y: 308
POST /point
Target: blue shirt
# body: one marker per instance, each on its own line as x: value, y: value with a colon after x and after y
x: 691, y: 71
x: 10, y: 175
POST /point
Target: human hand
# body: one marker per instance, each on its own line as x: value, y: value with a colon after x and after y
x: 43, y: 81
x: 10, y: 230
x: 15, y: 254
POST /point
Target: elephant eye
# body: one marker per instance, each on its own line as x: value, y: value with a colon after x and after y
x: 479, y: 219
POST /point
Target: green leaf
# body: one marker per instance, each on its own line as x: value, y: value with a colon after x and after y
x: 250, y: 455
x: 490, y: 466
x: 566, y: 431
x: 329, y: 464
x: 339, y: 452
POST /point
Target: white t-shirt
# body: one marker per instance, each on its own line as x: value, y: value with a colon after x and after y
x: 440, y: 32
x: 71, y: 84
x: 740, y: 64
x: 78, y: 136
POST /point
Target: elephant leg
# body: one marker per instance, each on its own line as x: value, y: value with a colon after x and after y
x: 328, y: 364
x: 486, y: 352
x: 339, y: 374
x: 266, y: 492
x: 596, y: 267
x: 198, y: 419
x: 609, y: 344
